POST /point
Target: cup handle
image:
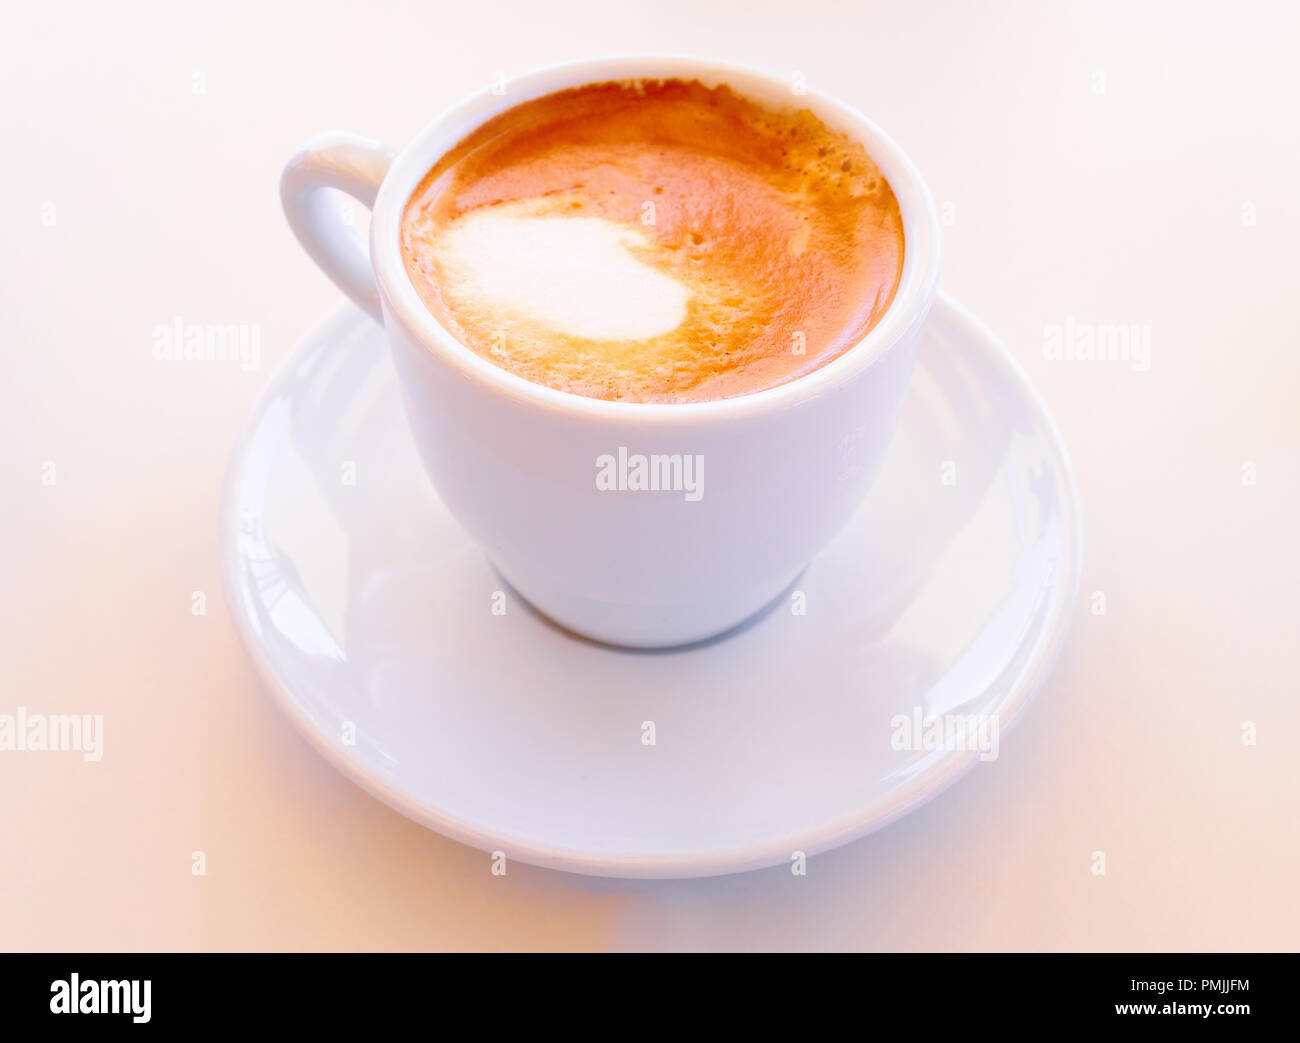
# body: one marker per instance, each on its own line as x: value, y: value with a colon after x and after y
x: 351, y: 164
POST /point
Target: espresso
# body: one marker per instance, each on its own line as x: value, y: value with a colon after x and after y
x: 655, y: 241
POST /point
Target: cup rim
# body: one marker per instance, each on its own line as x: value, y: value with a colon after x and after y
x: 911, y: 301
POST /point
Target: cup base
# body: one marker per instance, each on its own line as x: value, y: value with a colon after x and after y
x: 653, y: 628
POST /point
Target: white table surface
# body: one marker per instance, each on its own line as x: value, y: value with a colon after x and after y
x: 1105, y: 163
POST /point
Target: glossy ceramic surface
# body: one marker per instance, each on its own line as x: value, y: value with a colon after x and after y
x: 377, y: 623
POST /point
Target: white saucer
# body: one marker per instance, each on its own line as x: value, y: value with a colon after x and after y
x: 370, y: 613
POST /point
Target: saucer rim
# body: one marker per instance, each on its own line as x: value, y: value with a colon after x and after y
x: 765, y: 853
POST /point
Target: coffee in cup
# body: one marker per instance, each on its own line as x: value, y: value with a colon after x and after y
x: 655, y: 241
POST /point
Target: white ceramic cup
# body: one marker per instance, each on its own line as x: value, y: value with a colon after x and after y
x: 517, y: 463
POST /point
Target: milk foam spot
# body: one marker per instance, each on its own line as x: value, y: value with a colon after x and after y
x: 572, y: 274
